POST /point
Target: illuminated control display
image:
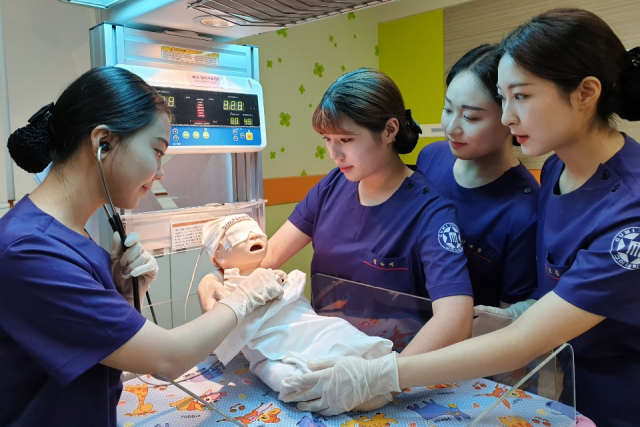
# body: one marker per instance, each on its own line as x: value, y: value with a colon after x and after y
x: 232, y: 105
x: 194, y: 107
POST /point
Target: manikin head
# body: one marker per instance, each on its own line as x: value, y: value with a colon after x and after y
x: 235, y: 241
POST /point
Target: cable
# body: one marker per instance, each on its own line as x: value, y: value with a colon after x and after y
x: 117, y: 226
x: 215, y: 364
x: 204, y: 402
x: 191, y: 284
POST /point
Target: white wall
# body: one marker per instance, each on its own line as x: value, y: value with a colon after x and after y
x: 46, y: 46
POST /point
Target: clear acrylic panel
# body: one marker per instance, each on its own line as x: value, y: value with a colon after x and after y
x: 550, y: 376
x: 540, y: 394
x: 375, y: 311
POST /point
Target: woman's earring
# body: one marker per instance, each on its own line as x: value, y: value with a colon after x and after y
x: 394, y: 140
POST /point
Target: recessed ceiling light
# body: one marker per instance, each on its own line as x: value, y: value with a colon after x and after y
x: 214, y: 21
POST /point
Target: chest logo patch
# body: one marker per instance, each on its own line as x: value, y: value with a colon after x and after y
x: 625, y: 248
x: 449, y: 237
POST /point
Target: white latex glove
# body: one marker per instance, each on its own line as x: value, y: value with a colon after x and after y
x: 377, y: 402
x: 135, y: 262
x: 261, y: 286
x: 341, y: 384
x: 282, y: 275
x: 490, y: 319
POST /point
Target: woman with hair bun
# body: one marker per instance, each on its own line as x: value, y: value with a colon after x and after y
x: 67, y: 324
x: 562, y: 77
x: 372, y: 219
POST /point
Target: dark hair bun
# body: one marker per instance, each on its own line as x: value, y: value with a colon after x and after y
x: 408, y: 134
x: 629, y: 107
x: 29, y: 146
x: 406, y: 141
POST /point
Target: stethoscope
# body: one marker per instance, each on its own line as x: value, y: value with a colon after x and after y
x: 117, y: 226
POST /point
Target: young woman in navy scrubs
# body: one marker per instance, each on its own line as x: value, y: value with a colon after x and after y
x: 372, y: 219
x: 562, y: 76
x: 66, y: 332
x: 495, y: 195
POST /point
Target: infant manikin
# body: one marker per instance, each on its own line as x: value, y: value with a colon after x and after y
x: 279, y: 338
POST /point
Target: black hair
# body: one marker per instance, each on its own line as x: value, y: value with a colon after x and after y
x: 370, y: 98
x: 482, y: 62
x: 109, y: 96
x: 567, y: 45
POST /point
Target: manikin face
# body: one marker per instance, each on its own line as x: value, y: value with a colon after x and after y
x: 538, y: 114
x: 132, y: 167
x: 247, y: 253
x: 357, y: 153
x: 471, y: 119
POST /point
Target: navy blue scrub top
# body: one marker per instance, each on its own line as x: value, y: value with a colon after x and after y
x: 60, y: 315
x: 589, y: 255
x: 498, y: 226
x: 410, y: 243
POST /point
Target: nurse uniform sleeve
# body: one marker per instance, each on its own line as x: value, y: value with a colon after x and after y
x: 58, y: 310
x: 442, y: 254
x: 604, y: 279
x: 520, y: 269
x: 304, y: 215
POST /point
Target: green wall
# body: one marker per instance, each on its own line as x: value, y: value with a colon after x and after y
x: 412, y: 54
x: 297, y: 65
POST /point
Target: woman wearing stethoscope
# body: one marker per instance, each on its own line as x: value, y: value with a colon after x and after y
x: 67, y: 324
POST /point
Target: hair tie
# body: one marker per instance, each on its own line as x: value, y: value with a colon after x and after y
x: 634, y: 56
x: 45, y: 112
x: 412, y: 124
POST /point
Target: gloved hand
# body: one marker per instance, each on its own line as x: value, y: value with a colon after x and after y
x: 135, y: 262
x: 377, y: 402
x: 210, y: 291
x: 490, y: 319
x: 281, y: 274
x: 261, y: 286
x: 343, y: 383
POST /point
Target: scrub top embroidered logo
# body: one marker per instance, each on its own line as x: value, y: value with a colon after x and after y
x: 625, y: 248
x: 449, y: 237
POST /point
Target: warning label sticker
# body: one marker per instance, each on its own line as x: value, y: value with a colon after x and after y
x: 190, y: 55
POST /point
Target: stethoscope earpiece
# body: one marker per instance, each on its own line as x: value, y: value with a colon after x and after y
x: 117, y: 226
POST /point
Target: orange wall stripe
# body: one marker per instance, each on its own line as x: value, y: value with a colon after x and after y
x: 292, y: 189
x: 536, y: 174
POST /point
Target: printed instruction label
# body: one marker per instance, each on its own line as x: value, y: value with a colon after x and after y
x: 208, y: 80
x: 190, y: 55
x: 187, y: 234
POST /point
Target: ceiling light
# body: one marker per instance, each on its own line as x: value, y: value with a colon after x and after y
x: 214, y: 21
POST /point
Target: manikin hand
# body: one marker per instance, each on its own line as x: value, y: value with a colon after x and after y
x: 259, y: 287
x: 210, y: 291
x: 343, y: 384
x: 135, y: 262
x: 489, y: 319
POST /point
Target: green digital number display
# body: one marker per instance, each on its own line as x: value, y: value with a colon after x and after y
x: 248, y: 121
x: 171, y: 102
x: 232, y: 105
x: 234, y: 120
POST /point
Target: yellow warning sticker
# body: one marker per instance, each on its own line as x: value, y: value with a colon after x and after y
x: 190, y: 55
